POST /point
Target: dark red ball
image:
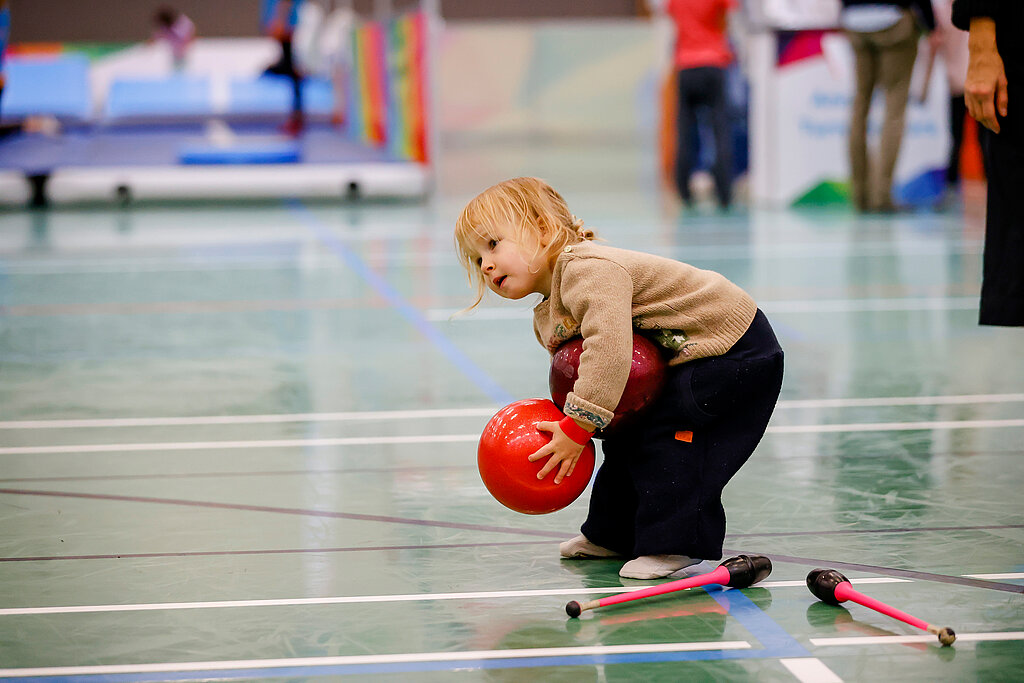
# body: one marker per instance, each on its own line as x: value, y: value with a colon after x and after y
x: 646, y: 378
x: 508, y: 439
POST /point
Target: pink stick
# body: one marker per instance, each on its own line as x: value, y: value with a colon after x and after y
x: 844, y: 591
x: 720, y: 576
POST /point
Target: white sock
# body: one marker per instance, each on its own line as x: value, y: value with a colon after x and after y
x: 581, y: 547
x: 655, y: 566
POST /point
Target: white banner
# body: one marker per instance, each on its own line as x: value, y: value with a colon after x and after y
x: 801, y: 91
x: 796, y: 14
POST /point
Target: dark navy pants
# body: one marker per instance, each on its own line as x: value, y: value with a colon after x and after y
x: 703, y: 87
x: 659, y: 490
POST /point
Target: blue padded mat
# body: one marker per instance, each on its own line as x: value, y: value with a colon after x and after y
x: 156, y: 146
x: 272, y: 95
x: 55, y: 86
x: 133, y: 98
x: 269, y: 152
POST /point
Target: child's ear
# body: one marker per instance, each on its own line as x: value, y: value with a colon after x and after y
x: 545, y: 239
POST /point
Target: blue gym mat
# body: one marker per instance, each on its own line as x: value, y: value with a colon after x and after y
x: 174, y: 96
x: 272, y: 95
x: 59, y: 86
x: 160, y: 146
x: 53, y: 86
x: 244, y: 152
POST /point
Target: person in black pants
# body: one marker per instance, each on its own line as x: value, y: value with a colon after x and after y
x: 952, y: 49
x: 701, y: 56
x: 279, y: 20
x: 995, y: 69
x: 665, y: 474
x: 697, y: 88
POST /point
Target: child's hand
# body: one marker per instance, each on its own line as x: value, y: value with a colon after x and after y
x: 561, y: 451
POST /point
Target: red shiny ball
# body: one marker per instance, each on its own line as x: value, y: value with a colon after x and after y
x: 508, y: 439
x: 646, y: 378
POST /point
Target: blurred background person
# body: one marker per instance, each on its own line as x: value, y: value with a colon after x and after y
x: 953, y: 51
x: 279, y: 19
x: 701, y: 57
x: 337, y: 48
x: 996, y: 66
x: 176, y: 30
x: 884, y: 36
x: 5, y: 36
x: 322, y: 47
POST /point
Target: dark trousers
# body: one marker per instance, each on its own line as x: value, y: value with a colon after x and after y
x: 285, y: 66
x: 697, y: 88
x: 659, y: 490
x: 1002, y: 287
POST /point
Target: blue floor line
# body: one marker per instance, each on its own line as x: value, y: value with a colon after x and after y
x: 760, y: 625
x: 411, y: 314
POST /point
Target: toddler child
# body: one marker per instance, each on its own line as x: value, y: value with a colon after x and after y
x: 657, y: 497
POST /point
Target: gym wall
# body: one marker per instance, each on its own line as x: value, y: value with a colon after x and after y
x: 131, y: 20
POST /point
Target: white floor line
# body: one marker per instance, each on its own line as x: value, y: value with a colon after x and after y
x: 803, y: 584
x: 883, y: 402
x: 995, y: 577
x: 445, y: 258
x: 352, y: 660
x: 337, y: 600
x: 482, y: 411
x: 220, y: 445
x: 810, y: 670
x: 894, y: 426
x: 901, y: 640
x: 473, y: 437
x: 865, y: 305
x: 361, y: 599
x: 770, y: 307
x: 251, y: 419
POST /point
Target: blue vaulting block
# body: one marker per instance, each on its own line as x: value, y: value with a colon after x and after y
x: 52, y: 86
x: 176, y: 96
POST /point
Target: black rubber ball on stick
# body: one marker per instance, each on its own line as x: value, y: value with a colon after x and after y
x: 741, y: 571
x: 828, y: 585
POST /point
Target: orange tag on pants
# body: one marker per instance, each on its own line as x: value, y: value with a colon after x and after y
x: 686, y: 436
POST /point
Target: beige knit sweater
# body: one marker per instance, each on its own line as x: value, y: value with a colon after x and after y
x: 604, y: 293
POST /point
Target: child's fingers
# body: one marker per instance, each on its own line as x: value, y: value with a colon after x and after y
x: 567, y: 467
x: 564, y: 471
x: 544, y: 452
x: 546, y: 470
x: 546, y: 426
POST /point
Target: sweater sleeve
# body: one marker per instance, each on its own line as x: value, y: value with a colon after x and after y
x: 599, y: 294
x: 965, y: 10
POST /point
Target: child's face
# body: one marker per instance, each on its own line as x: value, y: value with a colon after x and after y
x: 512, y: 270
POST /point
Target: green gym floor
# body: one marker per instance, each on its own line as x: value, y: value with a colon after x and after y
x: 239, y: 442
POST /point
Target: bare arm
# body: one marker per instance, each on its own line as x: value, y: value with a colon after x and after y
x: 985, y: 90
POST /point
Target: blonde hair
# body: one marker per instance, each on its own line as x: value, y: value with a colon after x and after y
x: 534, y: 210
